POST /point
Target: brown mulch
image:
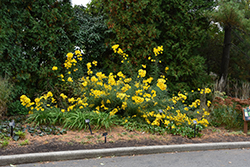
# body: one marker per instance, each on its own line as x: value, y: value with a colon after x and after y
x: 118, y: 137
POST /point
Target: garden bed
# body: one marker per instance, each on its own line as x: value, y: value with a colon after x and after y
x: 117, y: 137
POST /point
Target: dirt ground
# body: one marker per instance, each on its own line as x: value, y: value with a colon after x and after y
x: 118, y: 137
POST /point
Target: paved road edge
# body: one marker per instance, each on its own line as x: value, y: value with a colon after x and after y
x: 83, y: 154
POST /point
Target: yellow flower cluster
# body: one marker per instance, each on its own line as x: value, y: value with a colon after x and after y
x: 158, y: 50
x: 25, y: 101
x: 38, y: 104
x: 161, y: 84
x: 196, y: 103
x: 141, y: 73
x: 205, y: 91
x: 54, y: 68
x: 70, y: 61
x: 118, y: 50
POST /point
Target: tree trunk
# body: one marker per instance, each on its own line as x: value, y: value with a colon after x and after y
x: 226, y: 54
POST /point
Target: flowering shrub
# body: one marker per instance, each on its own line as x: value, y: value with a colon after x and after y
x: 136, y: 97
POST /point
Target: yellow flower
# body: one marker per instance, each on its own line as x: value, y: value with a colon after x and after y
x: 112, y: 113
x: 114, y: 47
x: 77, y: 52
x: 63, y: 96
x: 120, y: 74
x: 54, y: 68
x: 94, y: 63
x: 158, y: 50
x: 120, y: 52
x: 144, y: 66
x: 161, y: 84
x: 208, y: 103
x: 166, y: 69
x: 94, y: 79
x: 49, y: 94
x: 69, y: 55
x: 70, y: 79
x: 89, y: 65
x: 142, y: 73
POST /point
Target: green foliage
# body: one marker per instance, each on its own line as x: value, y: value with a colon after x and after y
x: 16, y: 108
x: 21, y: 134
x: 226, y: 116
x: 233, y: 13
x: 33, y: 37
x: 5, y: 94
x: 25, y: 142
x: 183, y: 29
x: 179, y: 26
x: 4, y: 143
x: 92, y: 34
x: 50, y: 116
x: 134, y: 25
x: 76, y: 120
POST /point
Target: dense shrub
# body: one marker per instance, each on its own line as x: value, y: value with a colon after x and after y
x: 5, y: 94
x: 34, y: 36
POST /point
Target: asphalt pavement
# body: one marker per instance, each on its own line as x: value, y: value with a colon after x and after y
x: 185, y: 154
x: 214, y: 158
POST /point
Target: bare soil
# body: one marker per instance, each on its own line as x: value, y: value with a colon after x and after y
x: 117, y: 137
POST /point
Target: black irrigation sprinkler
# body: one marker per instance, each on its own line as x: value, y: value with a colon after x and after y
x: 105, y: 136
x: 12, y: 124
x: 87, y: 121
x: 195, y: 122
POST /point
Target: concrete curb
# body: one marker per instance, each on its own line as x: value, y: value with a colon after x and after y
x: 82, y: 154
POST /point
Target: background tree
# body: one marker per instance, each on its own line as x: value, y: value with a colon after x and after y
x: 134, y: 24
x: 92, y: 33
x: 180, y: 26
x: 34, y: 37
x: 232, y: 16
x: 184, y: 28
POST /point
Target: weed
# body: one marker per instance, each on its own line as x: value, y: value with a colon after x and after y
x: 84, y: 142
x: 90, y: 137
x: 21, y: 134
x: 98, y: 136
x: 131, y: 136
x: 152, y: 137
x: 99, y: 141
x: 25, y: 142
x: 237, y: 133
x: 4, y: 143
x: 120, y: 135
x: 110, y: 137
x: 124, y: 133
